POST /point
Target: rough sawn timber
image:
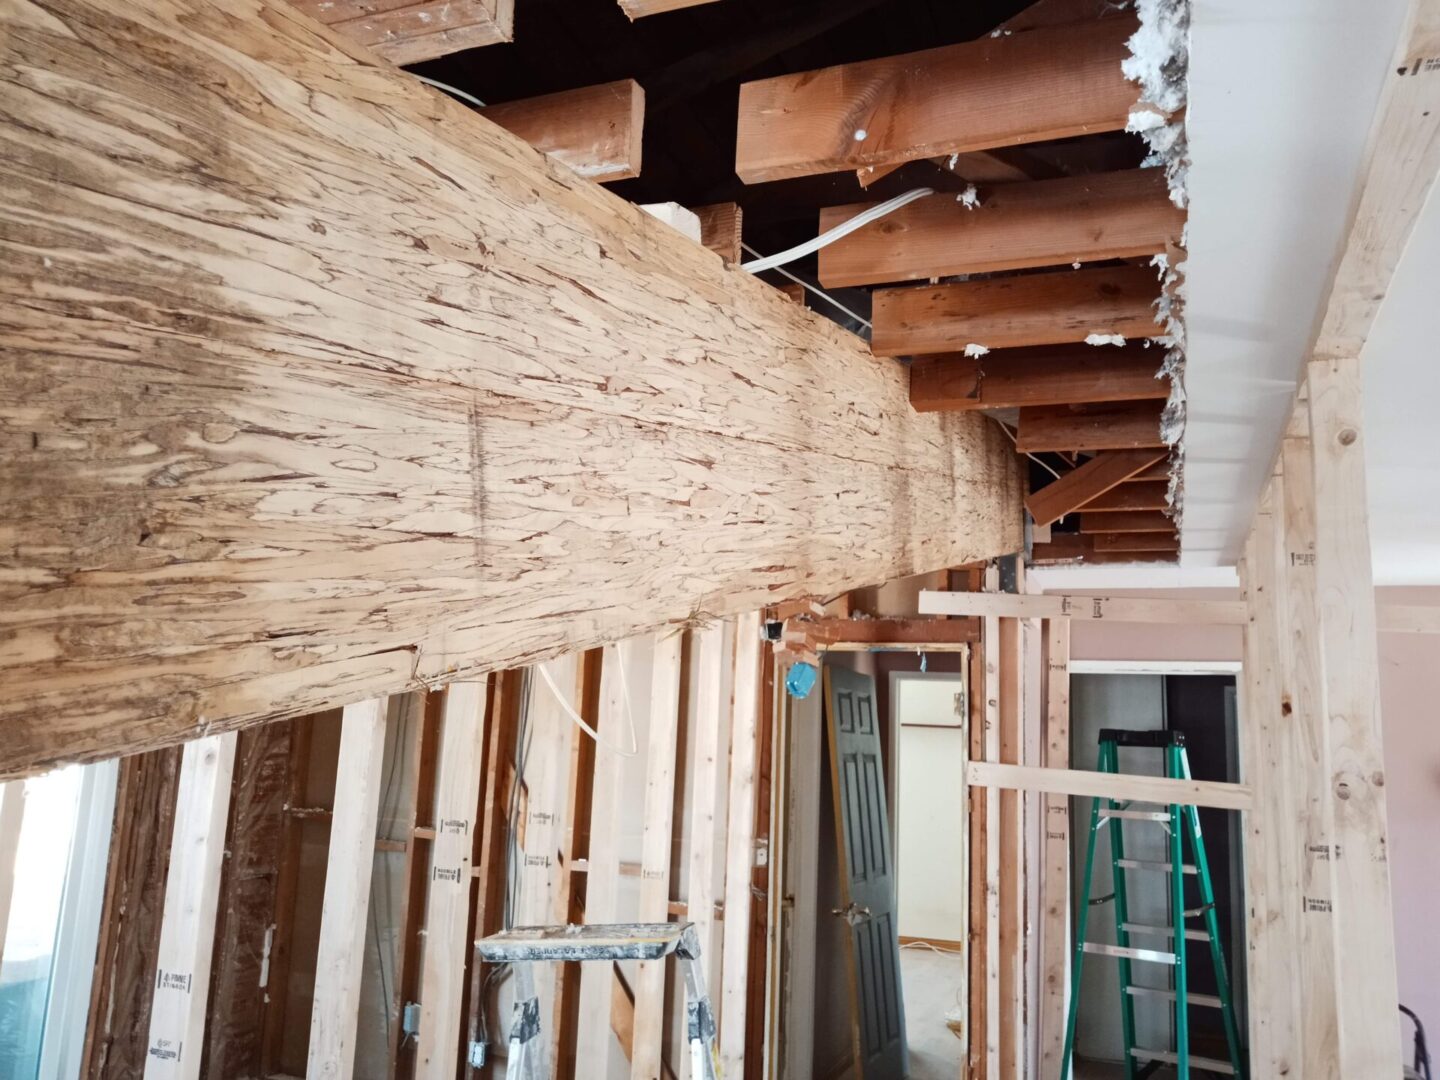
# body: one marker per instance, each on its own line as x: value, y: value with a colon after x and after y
x: 319, y: 387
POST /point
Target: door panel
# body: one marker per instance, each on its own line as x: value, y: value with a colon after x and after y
x: 867, y: 881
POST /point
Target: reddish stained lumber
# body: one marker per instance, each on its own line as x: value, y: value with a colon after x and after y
x: 1074, y: 548
x: 720, y: 229
x: 1116, y: 215
x: 1028, y: 309
x: 407, y: 33
x: 1149, y: 495
x: 1115, y: 426
x: 638, y: 9
x: 996, y: 91
x: 922, y: 631
x: 1089, y: 481
x: 1136, y: 521
x: 1159, y: 471
x: 1136, y: 542
x: 1038, y: 375
x: 595, y: 130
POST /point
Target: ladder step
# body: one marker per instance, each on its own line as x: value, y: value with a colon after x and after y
x: 1138, y: 815
x: 1209, y: 1001
x: 1150, y: 955
x: 1197, y: 1062
x: 1153, y: 864
x: 1164, y: 931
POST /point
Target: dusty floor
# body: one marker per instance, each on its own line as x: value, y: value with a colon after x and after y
x: 931, y: 980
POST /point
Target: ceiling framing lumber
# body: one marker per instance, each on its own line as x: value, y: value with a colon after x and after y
x: 638, y: 9
x: 407, y: 33
x: 1150, y: 495
x: 595, y: 130
x: 1115, y: 426
x: 1109, y: 543
x: 1159, y: 471
x: 1135, y: 521
x: 394, y: 430
x: 720, y: 229
x: 1089, y: 481
x: 1026, y: 309
x: 1044, y: 84
x: 1116, y: 215
x: 1038, y: 375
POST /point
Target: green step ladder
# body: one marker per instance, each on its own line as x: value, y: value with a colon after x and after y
x: 1178, y: 820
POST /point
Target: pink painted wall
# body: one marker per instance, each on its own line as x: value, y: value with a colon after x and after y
x: 1410, y: 715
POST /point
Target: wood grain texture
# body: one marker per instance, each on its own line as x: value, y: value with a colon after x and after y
x: 1089, y: 481
x: 1026, y: 309
x: 1150, y: 495
x: 720, y: 225
x: 1132, y: 521
x: 1117, y: 426
x: 1042, y: 375
x: 1055, y: 864
x: 1115, y: 215
x: 1088, y: 784
x: 415, y: 403
x: 406, y: 32
x: 595, y: 130
x: 637, y: 9
x: 977, y: 95
x: 1137, y: 541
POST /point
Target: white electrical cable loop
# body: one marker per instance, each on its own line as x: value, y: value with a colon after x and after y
x: 829, y: 236
x: 461, y: 94
x: 818, y: 292
x: 580, y: 720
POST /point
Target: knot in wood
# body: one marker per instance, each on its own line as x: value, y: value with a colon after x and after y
x: 1347, y: 436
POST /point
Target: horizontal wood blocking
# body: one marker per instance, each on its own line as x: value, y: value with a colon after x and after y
x: 1133, y: 521
x: 1159, y: 471
x: 1039, y: 375
x: 1111, y: 608
x: 1075, y: 548
x: 1094, y: 478
x: 595, y: 130
x: 407, y: 33
x: 829, y: 633
x: 1147, y: 495
x: 996, y: 91
x: 352, y: 437
x: 1115, y: 215
x: 1025, y: 309
x: 720, y: 225
x: 1119, y: 426
x: 1099, y: 785
x: 1136, y: 542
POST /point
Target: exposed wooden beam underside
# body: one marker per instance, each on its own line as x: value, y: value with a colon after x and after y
x: 284, y: 441
x: 407, y: 33
x: 1039, y: 375
x: 1118, y: 426
x: 595, y: 130
x: 1089, y: 481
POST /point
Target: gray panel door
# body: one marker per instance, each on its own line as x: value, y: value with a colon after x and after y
x: 867, y: 875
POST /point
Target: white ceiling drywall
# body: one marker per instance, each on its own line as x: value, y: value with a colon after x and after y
x: 1282, y: 94
x: 1401, y: 365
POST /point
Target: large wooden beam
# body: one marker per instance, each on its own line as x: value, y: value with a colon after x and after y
x: 1127, y: 498
x: 637, y: 9
x: 595, y: 130
x: 1117, y: 215
x: 1045, y: 375
x: 1087, y: 482
x: 1132, y: 521
x: 997, y: 91
x: 1026, y: 309
x: 409, y: 32
x: 368, y: 395
x: 1116, y: 426
x: 1108, y: 543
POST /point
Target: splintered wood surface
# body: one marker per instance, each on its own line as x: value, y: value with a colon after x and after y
x: 1027, y: 309
x: 319, y: 387
x: 1115, y: 215
x: 996, y: 91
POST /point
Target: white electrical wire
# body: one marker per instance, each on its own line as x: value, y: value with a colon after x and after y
x: 580, y: 720
x: 818, y: 292
x: 1006, y: 428
x: 829, y: 236
x: 461, y: 94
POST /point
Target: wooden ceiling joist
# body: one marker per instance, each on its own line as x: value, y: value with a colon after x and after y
x: 1049, y: 83
x: 638, y: 9
x: 1127, y: 521
x: 720, y: 229
x: 1149, y: 495
x: 1118, y: 426
x: 1074, y: 548
x: 1159, y: 471
x: 595, y: 130
x: 1010, y: 312
x: 1117, y: 215
x: 1039, y: 375
x: 407, y: 33
x: 1100, y: 474
x: 1106, y: 543
x: 370, y: 453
